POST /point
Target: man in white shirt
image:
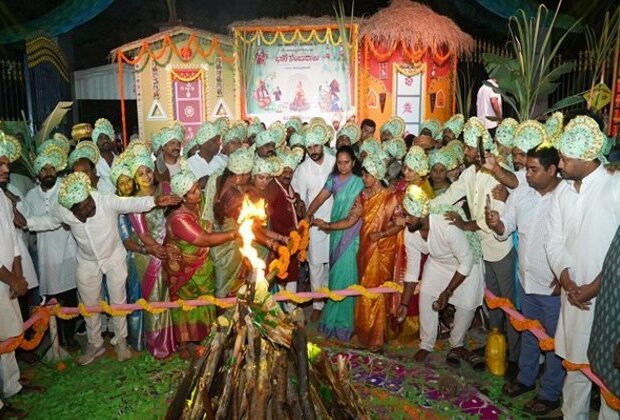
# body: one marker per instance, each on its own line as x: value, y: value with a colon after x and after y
x: 476, y: 184
x: 452, y: 274
x: 169, y: 161
x: 527, y: 211
x: 582, y: 222
x: 308, y: 181
x: 103, y: 136
x: 207, y: 160
x: 489, y: 104
x: 92, y: 218
x: 12, y: 282
x: 56, y: 249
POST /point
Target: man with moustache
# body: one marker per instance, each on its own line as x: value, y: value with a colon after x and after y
x: 285, y: 209
x: 169, y: 161
x: 527, y: 212
x: 476, y: 183
x: 103, y: 136
x: 92, y: 218
x: 308, y: 180
x: 582, y: 222
x: 84, y: 158
x: 207, y: 160
x: 265, y: 144
x: 56, y: 249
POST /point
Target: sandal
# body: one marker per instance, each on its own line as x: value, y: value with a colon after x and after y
x: 541, y: 407
x: 453, y: 359
x: 477, y: 362
x: 421, y: 355
x: 516, y: 388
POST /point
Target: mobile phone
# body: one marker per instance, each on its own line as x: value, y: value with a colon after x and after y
x: 481, y: 150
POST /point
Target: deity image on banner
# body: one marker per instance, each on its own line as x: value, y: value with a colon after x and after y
x: 299, y: 102
x: 261, y: 94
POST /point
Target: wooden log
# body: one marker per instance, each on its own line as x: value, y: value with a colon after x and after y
x: 227, y: 392
x: 262, y: 390
x: 300, y: 350
x: 250, y: 366
x: 204, y: 384
x: 292, y: 390
x: 279, y: 385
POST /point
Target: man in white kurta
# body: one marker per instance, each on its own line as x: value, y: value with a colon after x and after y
x: 448, y: 252
x: 308, y: 180
x: 99, y: 251
x: 476, y: 184
x: 56, y: 249
x: 583, y: 219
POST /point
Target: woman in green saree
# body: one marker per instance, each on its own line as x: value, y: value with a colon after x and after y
x: 191, y: 273
x: 345, y: 185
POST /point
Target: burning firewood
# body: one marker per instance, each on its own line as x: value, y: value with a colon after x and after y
x: 256, y: 362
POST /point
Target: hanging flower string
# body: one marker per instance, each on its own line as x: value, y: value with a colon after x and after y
x: 545, y: 342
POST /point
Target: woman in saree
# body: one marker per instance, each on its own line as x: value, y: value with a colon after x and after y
x: 224, y: 198
x: 191, y: 272
x: 441, y: 162
x: 150, y: 228
x: 122, y: 179
x: 344, y: 184
x: 375, y: 260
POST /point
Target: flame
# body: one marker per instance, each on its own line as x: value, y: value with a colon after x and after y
x: 250, y: 213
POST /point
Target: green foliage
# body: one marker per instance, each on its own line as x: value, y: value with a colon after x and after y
x: 530, y: 73
x: 464, y: 90
x: 601, y: 48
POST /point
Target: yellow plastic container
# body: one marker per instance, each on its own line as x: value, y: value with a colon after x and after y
x: 495, y: 352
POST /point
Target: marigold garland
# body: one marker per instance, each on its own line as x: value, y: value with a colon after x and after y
x: 293, y: 297
x: 331, y: 295
x: 548, y: 344
x: 295, y: 241
x: 498, y: 302
x: 15, y: 343
x: 394, y: 286
x: 58, y: 313
x: 215, y: 301
x: 147, y: 307
x: 184, y: 306
x: 82, y: 310
x: 363, y: 291
x: 526, y: 324
x: 112, y: 312
x: 40, y: 327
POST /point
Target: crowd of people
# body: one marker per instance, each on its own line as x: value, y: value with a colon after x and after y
x: 527, y: 210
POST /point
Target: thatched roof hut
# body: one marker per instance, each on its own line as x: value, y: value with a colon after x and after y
x: 417, y: 27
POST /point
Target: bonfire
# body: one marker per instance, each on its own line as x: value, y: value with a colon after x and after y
x: 257, y: 362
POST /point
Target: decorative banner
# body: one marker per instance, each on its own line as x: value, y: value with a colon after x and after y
x: 187, y: 85
x: 408, y: 95
x: 307, y: 80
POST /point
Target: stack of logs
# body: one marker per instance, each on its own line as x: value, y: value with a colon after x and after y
x: 256, y: 366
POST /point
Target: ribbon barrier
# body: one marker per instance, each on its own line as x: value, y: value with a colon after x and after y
x: 546, y: 343
x: 40, y: 318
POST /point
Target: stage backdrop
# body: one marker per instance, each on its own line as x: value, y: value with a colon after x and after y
x: 292, y: 77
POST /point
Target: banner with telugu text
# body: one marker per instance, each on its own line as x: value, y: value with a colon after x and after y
x: 308, y: 80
